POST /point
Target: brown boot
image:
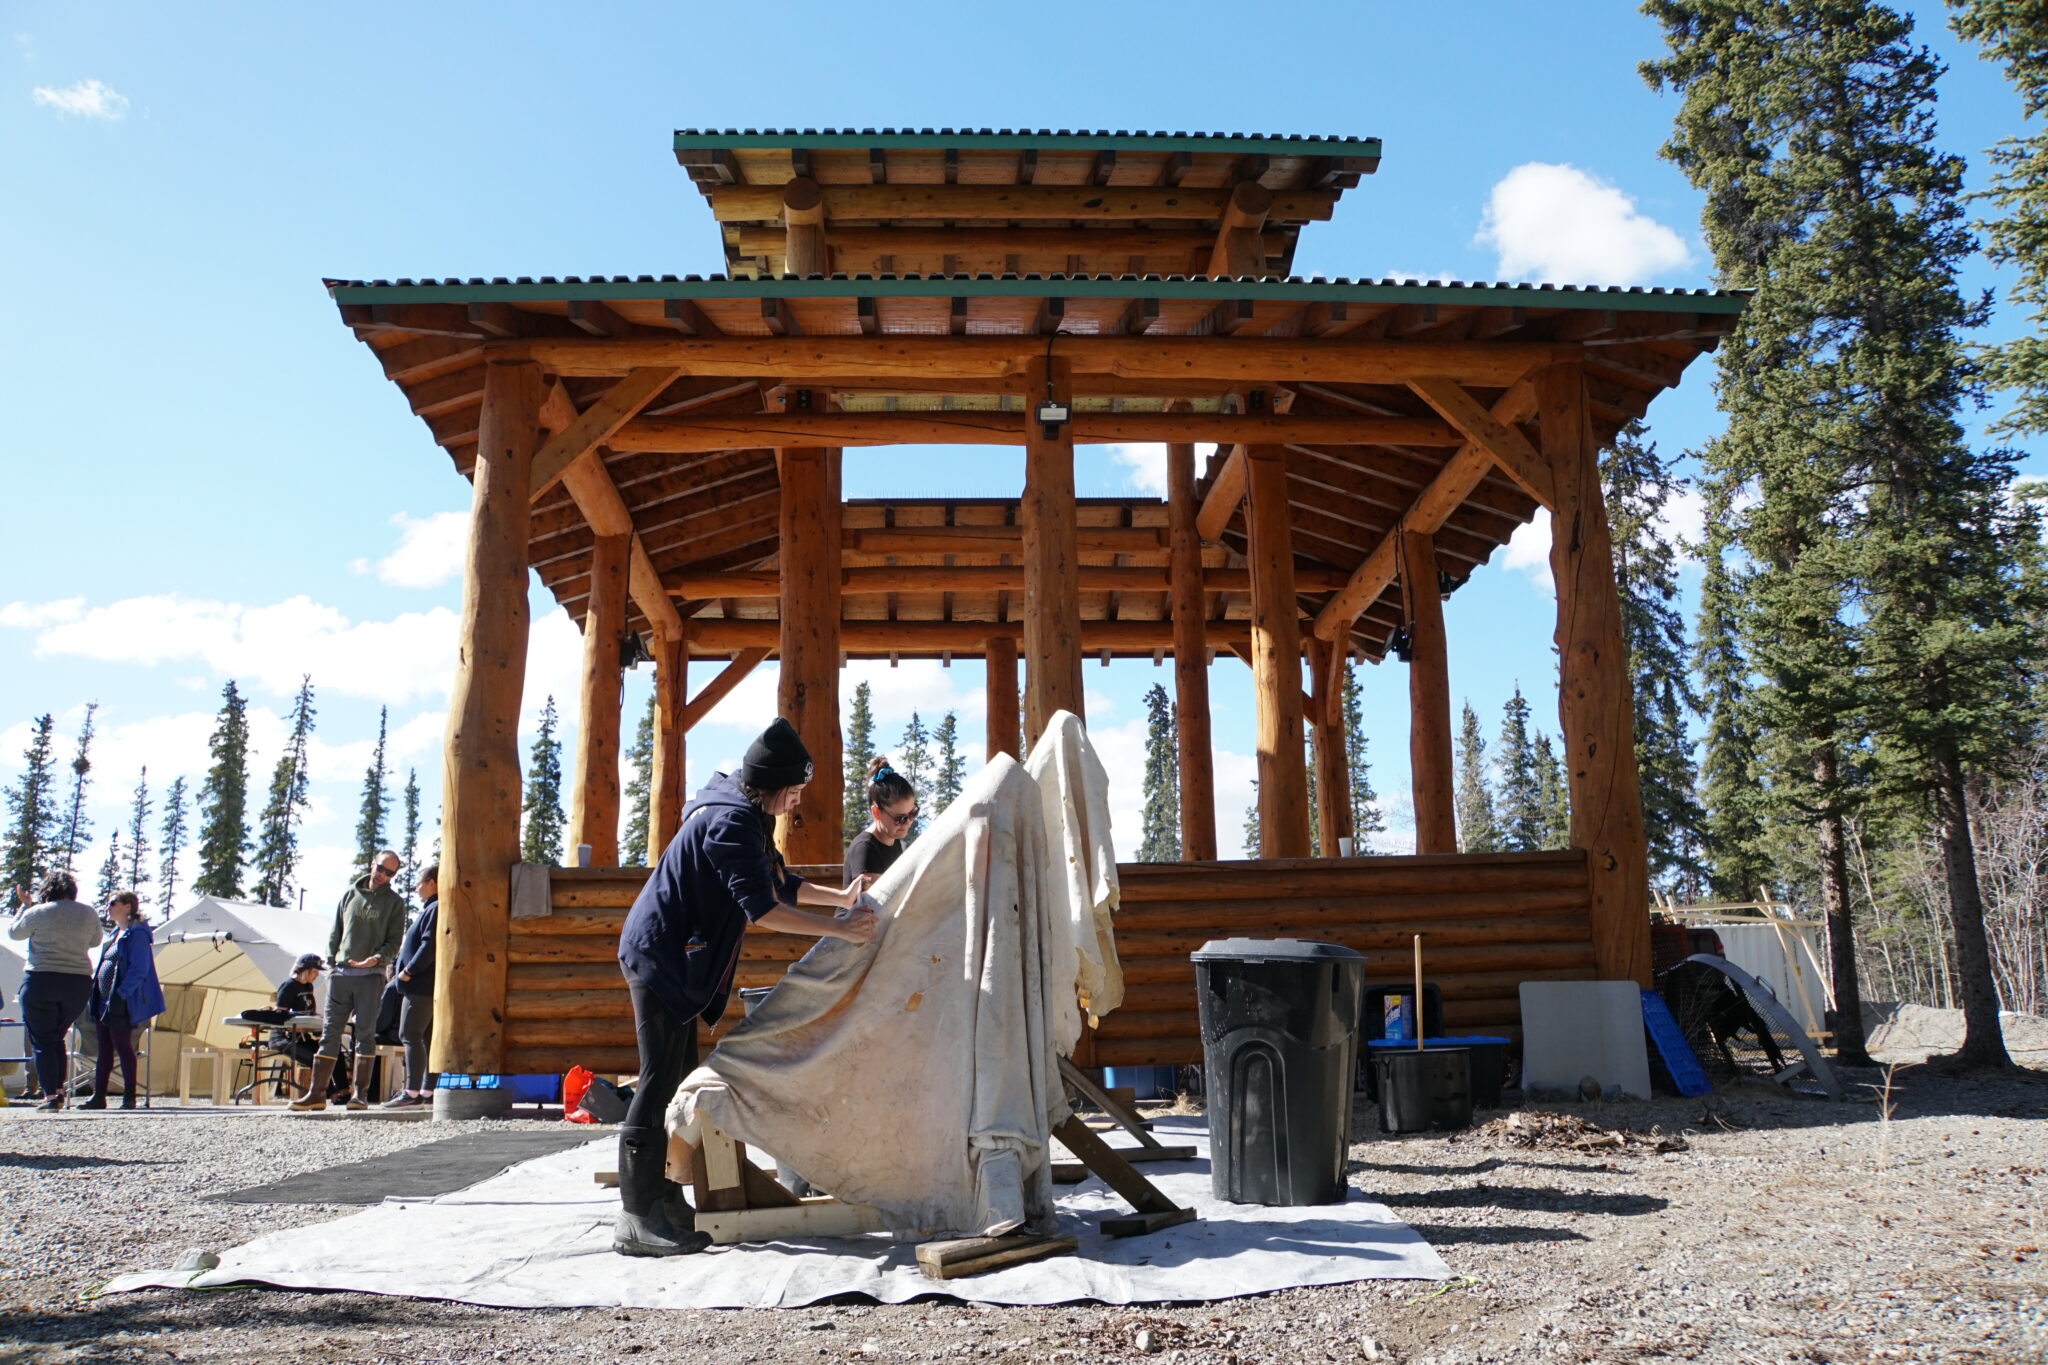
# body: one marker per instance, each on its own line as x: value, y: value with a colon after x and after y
x: 316, y: 1097
x: 302, y: 1080
x: 359, y: 1098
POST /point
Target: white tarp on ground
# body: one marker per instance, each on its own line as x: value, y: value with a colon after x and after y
x: 917, y: 1074
x: 539, y: 1236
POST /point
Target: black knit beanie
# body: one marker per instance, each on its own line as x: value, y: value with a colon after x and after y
x: 776, y: 759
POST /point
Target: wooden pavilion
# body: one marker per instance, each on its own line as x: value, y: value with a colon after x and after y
x: 665, y: 454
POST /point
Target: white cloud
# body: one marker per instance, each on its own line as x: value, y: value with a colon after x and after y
x: 429, y: 553
x: 88, y: 99
x: 1144, y: 467
x: 1683, y: 521
x: 1529, y: 551
x: 1561, y: 225
x: 36, y: 615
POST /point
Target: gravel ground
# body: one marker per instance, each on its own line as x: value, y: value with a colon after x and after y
x: 1785, y: 1230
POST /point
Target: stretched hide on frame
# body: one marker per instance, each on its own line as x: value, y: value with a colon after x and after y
x: 918, y: 1074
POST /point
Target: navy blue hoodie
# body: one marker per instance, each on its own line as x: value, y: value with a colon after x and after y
x: 721, y: 872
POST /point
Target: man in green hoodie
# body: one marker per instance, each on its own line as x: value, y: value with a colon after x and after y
x: 368, y: 925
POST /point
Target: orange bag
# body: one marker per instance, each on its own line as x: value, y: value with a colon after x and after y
x: 574, y: 1084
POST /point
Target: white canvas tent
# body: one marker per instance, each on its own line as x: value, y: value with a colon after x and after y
x: 13, y: 1042
x: 217, y: 958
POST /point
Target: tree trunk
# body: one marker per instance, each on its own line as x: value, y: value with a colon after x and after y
x: 1851, y: 1047
x: 1983, y: 1037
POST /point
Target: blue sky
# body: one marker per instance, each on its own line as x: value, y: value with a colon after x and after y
x: 209, y: 478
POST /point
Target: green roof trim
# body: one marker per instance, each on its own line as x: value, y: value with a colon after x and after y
x: 1452, y: 293
x: 1005, y: 139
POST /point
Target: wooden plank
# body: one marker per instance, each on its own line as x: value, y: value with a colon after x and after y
x: 1006, y: 203
x: 950, y: 1260
x: 1141, y: 1224
x: 807, y: 682
x: 809, y: 1219
x: 715, y: 691
x: 1276, y: 659
x: 1429, y: 699
x: 598, y: 422
x: 594, y: 782
x: 1051, y: 554
x: 1190, y: 609
x: 867, y: 636
x: 995, y: 540
x: 1135, y: 1190
x: 1225, y: 495
x: 1507, y: 446
x: 871, y: 581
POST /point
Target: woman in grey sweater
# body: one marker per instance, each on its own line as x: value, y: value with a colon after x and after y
x: 61, y: 935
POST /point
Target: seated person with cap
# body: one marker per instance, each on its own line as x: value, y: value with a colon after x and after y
x: 295, y: 996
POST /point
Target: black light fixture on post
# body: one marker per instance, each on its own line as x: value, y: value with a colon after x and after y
x: 1401, y: 644
x: 1448, y: 582
x: 633, y: 651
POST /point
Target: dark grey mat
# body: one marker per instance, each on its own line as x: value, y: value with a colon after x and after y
x: 417, y: 1172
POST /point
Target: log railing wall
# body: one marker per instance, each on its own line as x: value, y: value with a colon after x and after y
x: 1489, y: 921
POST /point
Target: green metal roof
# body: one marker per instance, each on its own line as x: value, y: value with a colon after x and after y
x: 1006, y: 139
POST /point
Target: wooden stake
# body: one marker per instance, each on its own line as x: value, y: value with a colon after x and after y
x: 1420, y: 1013
x: 807, y: 690
x: 1276, y: 661
x: 1190, y: 661
x: 1052, y: 590
x: 594, y: 790
x: 480, y: 773
x: 1429, y: 698
x: 1001, y: 654
x: 665, y: 779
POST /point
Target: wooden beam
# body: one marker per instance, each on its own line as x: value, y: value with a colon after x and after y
x: 1276, y: 659
x: 807, y: 684
x: 1051, y: 554
x: 988, y: 578
x: 1240, y: 251
x: 1010, y: 203
x: 1429, y: 698
x: 1226, y: 492
x: 665, y: 771
x: 1326, y: 665
x: 916, y: 362
x: 871, y: 636
x: 1462, y: 473
x: 745, y: 661
x: 1003, y: 735
x: 700, y: 434
x: 988, y: 249
x: 1596, y: 713
x: 605, y: 511
x: 596, y: 424
x: 1189, y: 600
x: 480, y: 783
x: 594, y: 786
x: 1501, y: 440
x: 803, y: 219
x: 946, y: 540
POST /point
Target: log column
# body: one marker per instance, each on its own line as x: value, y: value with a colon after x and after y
x: 1326, y: 663
x: 1595, y: 706
x: 807, y: 691
x: 665, y: 778
x: 1002, y: 699
x: 1190, y: 661
x: 803, y: 217
x: 1276, y: 659
x: 480, y: 769
x: 1052, y: 582
x: 1429, y: 698
x: 594, y: 793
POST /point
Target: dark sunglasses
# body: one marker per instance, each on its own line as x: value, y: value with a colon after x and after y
x: 908, y: 817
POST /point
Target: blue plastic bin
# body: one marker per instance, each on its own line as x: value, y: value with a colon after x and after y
x: 1146, y: 1082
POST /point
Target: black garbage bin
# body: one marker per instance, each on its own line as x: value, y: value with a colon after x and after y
x: 1279, y: 1045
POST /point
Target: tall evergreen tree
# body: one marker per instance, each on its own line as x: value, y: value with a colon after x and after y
x: 138, y: 832
x: 545, y: 822
x: 376, y: 806
x: 1315, y: 797
x: 860, y: 751
x: 32, y: 826
x: 633, y: 851
x: 277, y: 845
x: 1477, y: 830
x: 1251, y: 823
x: 914, y: 761
x: 224, y: 801
x: 110, y: 873
x: 171, y: 842
x: 1366, y: 816
x: 1638, y: 485
x: 411, y: 826
x: 1553, y: 796
x: 77, y: 824
x: 1518, y: 812
x: 1159, y: 829
x: 951, y: 772
x: 2015, y: 34
x: 1737, y: 863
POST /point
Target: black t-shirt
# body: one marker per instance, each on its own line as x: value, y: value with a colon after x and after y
x: 867, y: 854
x: 295, y: 995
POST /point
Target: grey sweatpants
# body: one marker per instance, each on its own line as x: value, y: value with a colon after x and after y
x: 352, y: 995
x: 415, y: 1027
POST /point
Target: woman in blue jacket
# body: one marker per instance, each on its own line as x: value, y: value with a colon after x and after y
x: 680, y: 945
x: 125, y: 996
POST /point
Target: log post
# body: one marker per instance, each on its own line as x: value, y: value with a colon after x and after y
x: 1595, y: 707
x: 480, y: 768
x: 665, y: 779
x: 594, y: 790
x: 803, y: 218
x: 1052, y: 584
x: 1002, y: 699
x: 1326, y: 664
x: 1276, y: 659
x: 807, y: 690
x: 1429, y: 697
x: 1190, y: 661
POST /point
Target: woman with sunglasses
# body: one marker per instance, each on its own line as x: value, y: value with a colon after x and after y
x: 892, y: 812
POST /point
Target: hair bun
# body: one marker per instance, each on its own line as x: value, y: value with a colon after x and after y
x: 878, y: 766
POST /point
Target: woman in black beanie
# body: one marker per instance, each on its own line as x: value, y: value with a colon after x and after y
x: 678, y: 950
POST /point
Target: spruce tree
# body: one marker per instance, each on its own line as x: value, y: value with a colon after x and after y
x: 411, y: 825
x: 860, y: 751
x: 110, y: 874
x: 138, y: 833
x: 376, y: 805
x: 1366, y: 816
x: 224, y: 801
x: 1518, y: 813
x: 1477, y: 830
x: 951, y: 768
x: 1251, y: 823
x: 31, y: 848
x: 545, y: 822
x: 171, y: 842
x: 1315, y: 823
x: 639, y: 793
x: 78, y: 825
x: 1638, y: 485
x: 277, y: 845
x: 2015, y: 34
x: 1159, y: 829
x: 1736, y: 857
x: 1553, y: 796
x: 914, y: 761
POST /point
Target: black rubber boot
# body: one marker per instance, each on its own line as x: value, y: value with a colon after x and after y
x: 643, y: 1228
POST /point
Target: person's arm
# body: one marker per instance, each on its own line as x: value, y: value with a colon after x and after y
x: 857, y: 927
x: 25, y: 921
x: 334, y: 936
x: 839, y: 897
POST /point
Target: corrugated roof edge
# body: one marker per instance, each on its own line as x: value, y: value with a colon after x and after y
x: 1315, y: 290
x: 999, y: 139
